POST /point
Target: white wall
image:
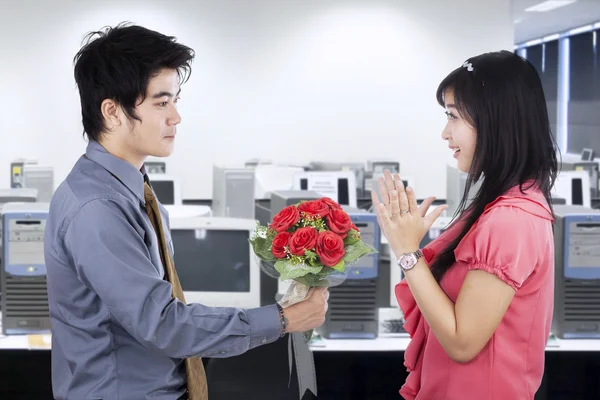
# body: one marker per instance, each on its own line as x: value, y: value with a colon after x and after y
x: 323, y: 80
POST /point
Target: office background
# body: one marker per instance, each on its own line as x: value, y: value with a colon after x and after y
x: 358, y: 78
x: 355, y: 77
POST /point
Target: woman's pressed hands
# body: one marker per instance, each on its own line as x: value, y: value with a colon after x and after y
x: 401, y: 220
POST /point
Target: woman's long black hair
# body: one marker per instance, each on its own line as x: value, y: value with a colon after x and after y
x: 501, y: 96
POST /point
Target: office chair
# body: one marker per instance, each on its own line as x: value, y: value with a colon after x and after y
x: 259, y: 374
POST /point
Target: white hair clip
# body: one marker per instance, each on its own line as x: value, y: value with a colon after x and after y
x: 468, y: 65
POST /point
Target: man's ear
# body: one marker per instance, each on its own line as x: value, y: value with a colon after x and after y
x: 111, y: 112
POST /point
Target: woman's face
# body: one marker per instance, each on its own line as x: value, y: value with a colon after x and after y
x: 460, y: 135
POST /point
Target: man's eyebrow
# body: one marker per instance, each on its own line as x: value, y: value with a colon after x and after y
x: 165, y: 93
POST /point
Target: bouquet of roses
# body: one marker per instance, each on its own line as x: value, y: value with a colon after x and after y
x: 311, y: 243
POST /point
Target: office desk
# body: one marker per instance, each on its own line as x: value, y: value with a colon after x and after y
x: 381, y: 344
x: 373, y: 369
x: 399, y: 344
x: 25, y: 342
x: 365, y: 369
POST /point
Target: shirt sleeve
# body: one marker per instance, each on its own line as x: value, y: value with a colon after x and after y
x: 502, y: 243
x: 112, y: 259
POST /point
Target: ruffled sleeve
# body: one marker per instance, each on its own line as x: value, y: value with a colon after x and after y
x: 503, y: 243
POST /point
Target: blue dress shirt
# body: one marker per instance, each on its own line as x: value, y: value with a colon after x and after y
x: 117, y: 333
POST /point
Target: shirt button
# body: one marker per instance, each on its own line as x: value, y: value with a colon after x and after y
x: 264, y: 340
x: 223, y: 352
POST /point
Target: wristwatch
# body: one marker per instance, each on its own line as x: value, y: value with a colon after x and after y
x: 409, y: 260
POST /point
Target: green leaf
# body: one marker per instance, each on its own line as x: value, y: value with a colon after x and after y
x: 312, y: 258
x: 358, y: 250
x: 339, y: 266
x: 289, y: 270
x: 351, y: 238
x: 317, y: 280
x: 262, y: 248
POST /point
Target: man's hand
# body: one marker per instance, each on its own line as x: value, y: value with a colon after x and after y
x: 308, y: 314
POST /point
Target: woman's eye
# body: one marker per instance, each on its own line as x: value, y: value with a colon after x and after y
x: 450, y: 115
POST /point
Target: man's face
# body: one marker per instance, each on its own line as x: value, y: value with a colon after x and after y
x: 155, y: 134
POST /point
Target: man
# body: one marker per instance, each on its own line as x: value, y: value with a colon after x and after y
x: 120, y: 328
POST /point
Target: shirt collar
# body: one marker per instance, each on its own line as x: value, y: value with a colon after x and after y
x: 129, y: 176
x: 531, y: 200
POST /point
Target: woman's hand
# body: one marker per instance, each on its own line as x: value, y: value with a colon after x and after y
x: 402, y: 222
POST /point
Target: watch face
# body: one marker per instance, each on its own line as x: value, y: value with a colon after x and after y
x: 407, y: 261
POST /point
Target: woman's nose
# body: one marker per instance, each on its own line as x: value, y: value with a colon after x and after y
x: 446, y: 134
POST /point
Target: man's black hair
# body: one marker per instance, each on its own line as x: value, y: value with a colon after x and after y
x: 117, y: 63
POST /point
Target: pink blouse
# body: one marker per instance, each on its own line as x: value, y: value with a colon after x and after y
x: 513, y: 240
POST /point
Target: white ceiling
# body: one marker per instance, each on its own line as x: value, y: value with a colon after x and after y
x: 534, y: 25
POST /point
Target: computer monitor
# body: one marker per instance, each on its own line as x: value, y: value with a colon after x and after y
x: 587, y: 155
x: 215, y: 261
x: 167, y: 189
x: 338, y: 185
x: 574, y: 187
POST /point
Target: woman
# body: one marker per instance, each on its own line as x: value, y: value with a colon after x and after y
x: 478, y: 301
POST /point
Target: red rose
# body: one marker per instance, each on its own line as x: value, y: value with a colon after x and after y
x: 303, y: 239
x: 280, y: 242
x: 331, y: 203
x: 314, y: 208
x: 330, y: 248
x: 285, y: 219
x: 339, y: 222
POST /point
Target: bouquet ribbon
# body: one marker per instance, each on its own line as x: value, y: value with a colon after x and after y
x: 298, y: 345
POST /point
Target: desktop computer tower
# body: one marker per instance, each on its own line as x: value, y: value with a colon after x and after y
x: 13, y: 196
x: 233, y: 192
x: 353, y: 312
x: 16, y: 172
x: 284, y: 198
x: 577, y: 273
x: 591, y: 167
x: 25, y: 296
x: 262, y: 211
x: 41, y: 178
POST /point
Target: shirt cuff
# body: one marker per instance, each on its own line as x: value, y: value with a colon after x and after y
x: 265, y: 325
